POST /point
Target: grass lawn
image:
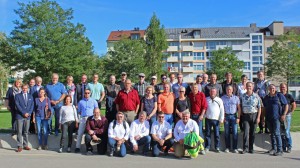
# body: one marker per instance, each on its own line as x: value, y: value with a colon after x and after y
x: 5, y: 120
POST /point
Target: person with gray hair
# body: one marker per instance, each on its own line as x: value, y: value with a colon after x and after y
x: 182, y: 128
x: 139, y: 134
x: 213, y: 84
x: 214, y: 116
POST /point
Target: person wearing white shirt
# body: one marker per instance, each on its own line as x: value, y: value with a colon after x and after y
x: 161, y: 132
x: 182, y: 128
x: 139, y: 133
x: 214, y: 116
x: 118, y: 133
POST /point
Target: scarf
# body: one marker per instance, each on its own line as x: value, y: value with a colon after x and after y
x: 16, y: 90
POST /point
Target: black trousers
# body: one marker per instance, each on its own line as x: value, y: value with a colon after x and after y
x: 249, y: 123
x: 101, y: 147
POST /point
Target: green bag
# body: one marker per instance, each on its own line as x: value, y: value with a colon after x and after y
x: 193, y: 143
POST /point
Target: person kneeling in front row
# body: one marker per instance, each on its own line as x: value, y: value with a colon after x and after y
x: 162, y: 135
x: 118, y: 133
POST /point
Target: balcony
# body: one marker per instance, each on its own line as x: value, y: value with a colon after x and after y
x: 173, y: 69
x: 187, y: 48
x: 187, y: 69
x: 188, y: 79
x: 237, y: 47
x: 172, y: 48
x: 172, y: 59
x: 187, y: 59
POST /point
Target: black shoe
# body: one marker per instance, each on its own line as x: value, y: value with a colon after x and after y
x: 243, y: 151
x: 166, y: 153
x: 279, y: 153
x: 260, y: 131
x: 272, y: 152
x: 77, y: 150
x: 267, y: 132
x: 289, y: 150
x: 251, y: 151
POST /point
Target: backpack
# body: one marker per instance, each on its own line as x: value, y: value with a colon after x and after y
x: 115, y: 123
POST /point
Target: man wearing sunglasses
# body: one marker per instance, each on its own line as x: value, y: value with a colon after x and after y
x: 122, y: 81
x: 86, y: 107
x: 160, y: 87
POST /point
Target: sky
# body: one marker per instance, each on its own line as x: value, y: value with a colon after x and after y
x: 100, y: 17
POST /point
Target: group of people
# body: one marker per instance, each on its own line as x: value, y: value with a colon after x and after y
x: 156, y: 115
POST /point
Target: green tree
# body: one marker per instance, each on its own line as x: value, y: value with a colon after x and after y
x: 284, y: 59
x: 225, y: 60
x: 3, y: 72
x: 156, y: 40
x: 127, y: 56
x: 45, y: 40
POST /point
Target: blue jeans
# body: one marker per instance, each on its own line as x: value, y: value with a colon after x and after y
x: 152, y: 120
x: 274, y: 126
x: 287, y: 139
x: 113, y: 143
x: 215, y: 124
x: 195, y: 117
x: 143, y: 141
x: 169, y: 118
x: 57, y: 114
x: 230, y: 121
x: 42, y: 134
x: 156, y: 147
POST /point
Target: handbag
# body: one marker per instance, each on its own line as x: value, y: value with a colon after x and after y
x: 47, y: 110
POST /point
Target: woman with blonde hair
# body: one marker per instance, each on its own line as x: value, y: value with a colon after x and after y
x: 149, y: 104
x: 71, y: 89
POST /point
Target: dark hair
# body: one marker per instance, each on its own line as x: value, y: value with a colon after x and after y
x: 43, y: 90
x: 160, y: 113
x: 163, y: 75
x: 243, y: 76
x: 66, y: 99
x: 227, y: 73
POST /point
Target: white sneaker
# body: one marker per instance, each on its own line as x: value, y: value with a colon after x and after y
x: 235, y: 151
x: 226, y: 150
x: 69, y: 150
x: 89, y: 153
x: 202, y: 152
x: 60, y: 150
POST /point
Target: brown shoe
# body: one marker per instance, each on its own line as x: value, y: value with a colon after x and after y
x: 19, y: 149
x: 27, y: 148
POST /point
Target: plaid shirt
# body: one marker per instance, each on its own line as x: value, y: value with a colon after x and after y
x: 141, y: 87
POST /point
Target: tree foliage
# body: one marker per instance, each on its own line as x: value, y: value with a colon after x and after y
x: 127, y: 56
x: 156, y: 43
x: 225, y: 60
x: 45, y: 40
x: 284, y: 58
x: 3, y: 72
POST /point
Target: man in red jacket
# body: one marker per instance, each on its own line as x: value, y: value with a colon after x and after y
x: 198, y: 107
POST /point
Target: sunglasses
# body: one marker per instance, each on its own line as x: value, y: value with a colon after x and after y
x: 123, y: 74
x: 142, y: 76
x: 163, y: 78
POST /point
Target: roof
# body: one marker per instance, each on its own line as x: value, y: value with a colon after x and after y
x: 117, y: 35
x: 214, y: 32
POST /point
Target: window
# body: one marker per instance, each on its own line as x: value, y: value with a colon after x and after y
x: 211, y: 45
x: 186, y: 54
x: 174, y: 54
x: 173, y: 43
x: 197, y: 33
x: 256, y: 69
x: 246, y: 65
x: 269, y: 49
x: 268, y: 33
x: 198, y: 55
x: 257, y: 39
x: 256, y: 49
x: 198, y: 45
x: 198, y: 66
x: 222, y: 43
x: 135, y: 36
x: 208, y: 66
x: 257, y: 60
x: 208, y: 55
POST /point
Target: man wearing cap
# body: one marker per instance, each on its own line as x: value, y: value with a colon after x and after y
x: 141, y: 85
x: 154, y: 84
x: 97, y: 90
x: 128, y: 102
x: 123, y: 79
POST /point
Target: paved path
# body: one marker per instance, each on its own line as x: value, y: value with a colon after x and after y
x: 51, y: 159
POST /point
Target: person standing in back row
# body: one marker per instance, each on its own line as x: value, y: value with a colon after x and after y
x: 97, y: 90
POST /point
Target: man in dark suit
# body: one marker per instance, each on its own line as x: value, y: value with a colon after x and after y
x: 24, y: 104
x: 80, y: 88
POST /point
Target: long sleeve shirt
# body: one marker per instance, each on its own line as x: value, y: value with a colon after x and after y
x: 198, y: 102
x: 119, y: 131
x: 99, y: 126
x: 215, y: 109
x: 181, y: 129
x: 68, y: 113
x: 138, y: 128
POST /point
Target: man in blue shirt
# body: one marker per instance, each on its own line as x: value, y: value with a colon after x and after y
x: 86, y: 108
x: 176, y: 86
x: 232, y: 114
x: 56, y: 92
x: 276, y: 106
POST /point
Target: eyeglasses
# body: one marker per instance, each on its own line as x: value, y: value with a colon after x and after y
x: 87, y: 93
x: 142, y: 76
x: 163, y: 78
